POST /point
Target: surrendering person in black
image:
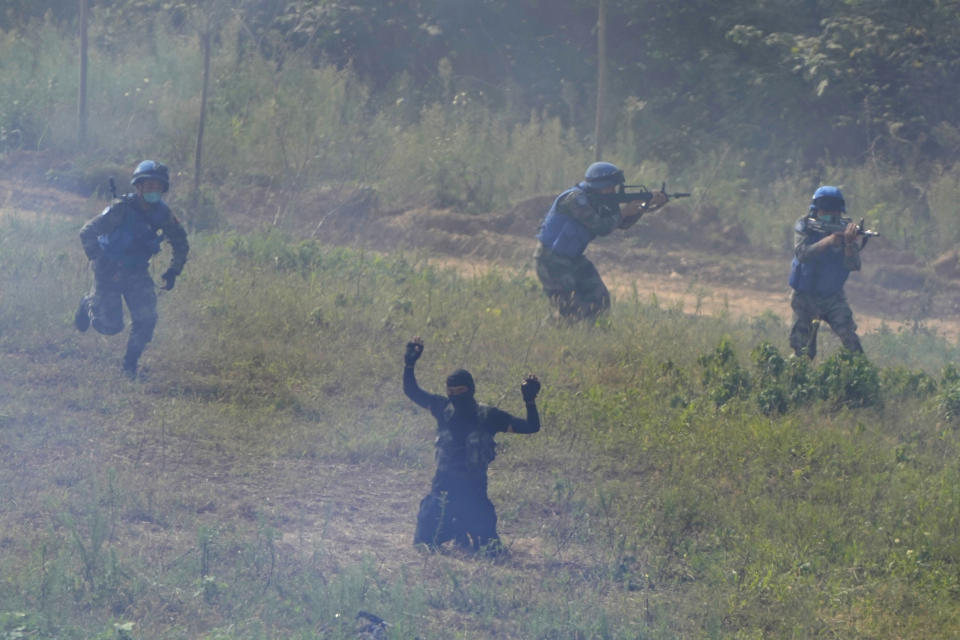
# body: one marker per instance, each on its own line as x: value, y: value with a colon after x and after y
x: 457, y: 507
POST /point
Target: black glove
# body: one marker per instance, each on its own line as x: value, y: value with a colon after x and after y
x: 169, y: 277
x: 529, y: 388
x: 414, y: 349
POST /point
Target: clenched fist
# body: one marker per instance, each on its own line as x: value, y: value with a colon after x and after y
x: 529, y: 388
x: 413, y: 352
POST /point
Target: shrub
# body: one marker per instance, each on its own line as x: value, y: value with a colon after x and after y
x: 949, y: 404
x: 723, y: 377
x: 905, y: 383
x: 770, y: 366
x: 849, y: 379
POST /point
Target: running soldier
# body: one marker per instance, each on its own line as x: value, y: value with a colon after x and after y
x: 119, y: 244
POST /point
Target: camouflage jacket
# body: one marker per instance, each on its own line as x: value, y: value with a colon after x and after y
x: 126, y: 236
x: 574, y: 220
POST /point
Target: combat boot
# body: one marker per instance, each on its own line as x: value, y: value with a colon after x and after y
x: 81, y: 319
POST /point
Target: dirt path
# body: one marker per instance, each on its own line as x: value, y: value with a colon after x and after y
x: 698, y: 297
x: 715, y: 299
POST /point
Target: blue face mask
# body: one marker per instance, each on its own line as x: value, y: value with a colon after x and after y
x: 827, y: 217
x: 153, y: 197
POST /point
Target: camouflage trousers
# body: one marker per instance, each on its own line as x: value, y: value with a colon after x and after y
x: 573, y: 285
x: 834, y: 309
x: 105, y: 306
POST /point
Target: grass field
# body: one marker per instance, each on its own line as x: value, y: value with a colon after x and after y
x: 261, y: 479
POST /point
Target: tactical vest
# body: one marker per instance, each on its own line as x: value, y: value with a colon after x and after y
x: 136, y: 239
x: 464, y: 448
x: 562, y: 234
x: 823, y: 274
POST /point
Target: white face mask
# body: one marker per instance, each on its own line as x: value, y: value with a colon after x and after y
x: 153, y: 197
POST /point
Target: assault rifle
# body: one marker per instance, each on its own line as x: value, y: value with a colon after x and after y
x: 838, y: 226
x: 642, y: 194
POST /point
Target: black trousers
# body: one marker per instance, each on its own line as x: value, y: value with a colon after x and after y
x: 469, y: 518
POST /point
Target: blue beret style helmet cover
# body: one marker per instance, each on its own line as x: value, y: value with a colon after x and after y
x: 828, y: 199
x: 600, y: 175
x: 150, y: 170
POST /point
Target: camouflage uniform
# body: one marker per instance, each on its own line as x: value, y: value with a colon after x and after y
x: 817, y: 278
x: 119, y: 243
x: 457, y: 507
x: 569, y: 279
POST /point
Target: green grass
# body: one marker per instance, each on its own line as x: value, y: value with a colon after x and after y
x: 262, y: 480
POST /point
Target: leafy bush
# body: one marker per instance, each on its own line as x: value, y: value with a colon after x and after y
x: 768, y: 361
x: 900, y: 381
x: 849, y: 379
x: 950, y: 374
x: 770, y: 366
x: 949, y: 403
x: 723, y: 377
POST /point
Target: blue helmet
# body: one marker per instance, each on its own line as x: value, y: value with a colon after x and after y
x: 601, y: 175
x: 828, y: 199
x: 150, y: 170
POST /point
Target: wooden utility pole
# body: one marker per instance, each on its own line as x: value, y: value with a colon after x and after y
x: 82, y: 85
x: 601, y: 76
x: 198, y: 158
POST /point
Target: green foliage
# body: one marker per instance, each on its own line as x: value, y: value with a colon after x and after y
x: 778, y: 384
x: 949, y: 403
x: 445, y: 160
x: 772, y: 398
x: 15, y: 625
x: 723, y: 377
x: 219, y: 497
x: 950, y: 374
x: 202, y: 213
x: 900, y: 381
x: 452, y: 128
x: 849, y: 379
x: 36, y: 89
x: 768, y: 361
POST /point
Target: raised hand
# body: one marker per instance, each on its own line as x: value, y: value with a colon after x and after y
x: 529, y: 388
x: 413, y: 352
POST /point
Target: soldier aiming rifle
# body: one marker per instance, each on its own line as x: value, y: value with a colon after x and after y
x: 591, y: 208
x: 826, y: 250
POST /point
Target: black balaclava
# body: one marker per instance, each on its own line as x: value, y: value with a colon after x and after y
x: 460, y: 382
x: 460, y: 388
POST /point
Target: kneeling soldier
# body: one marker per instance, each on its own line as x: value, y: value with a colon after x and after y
x: 457, y: 507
